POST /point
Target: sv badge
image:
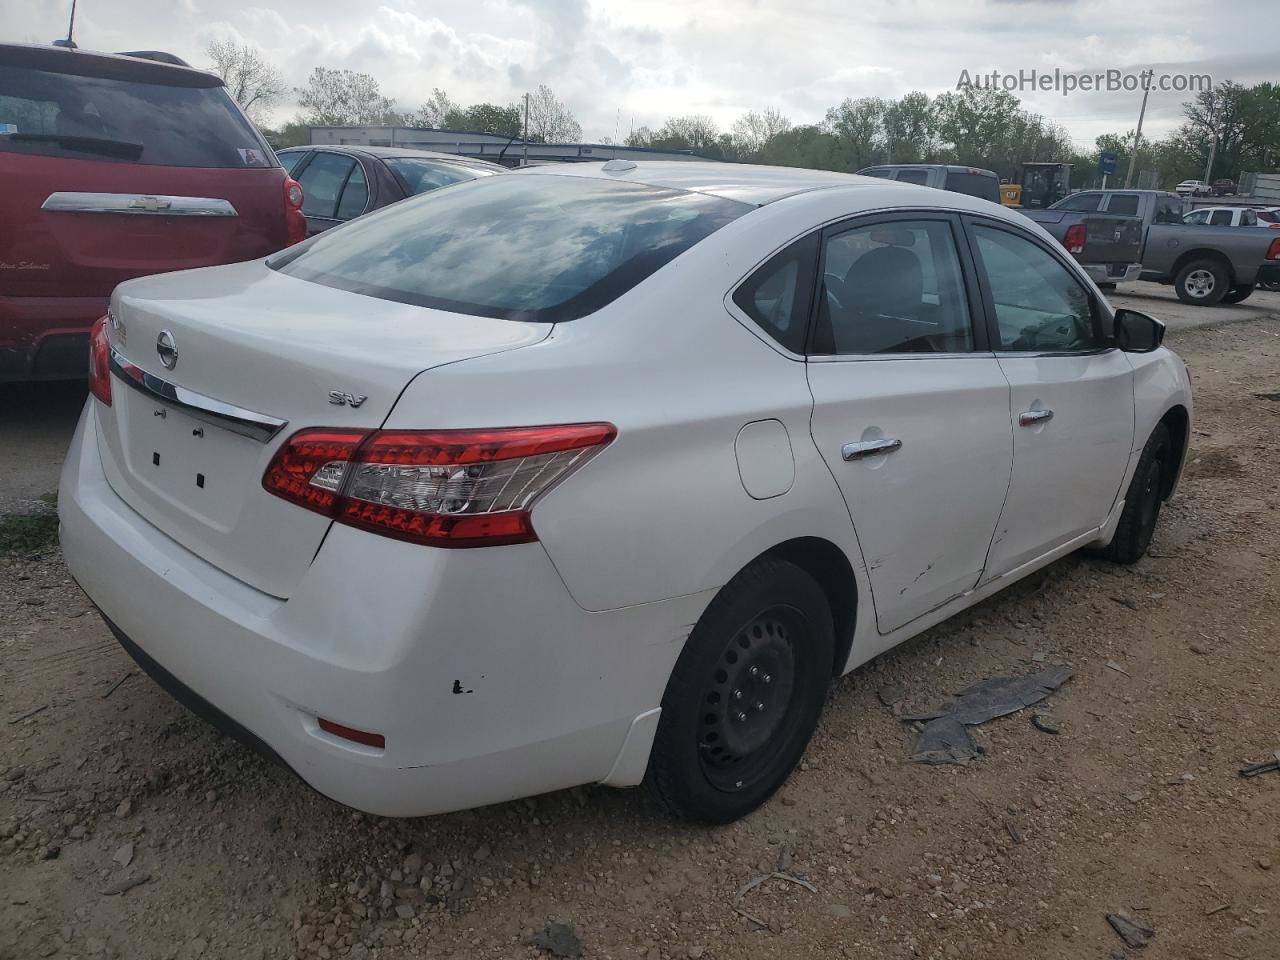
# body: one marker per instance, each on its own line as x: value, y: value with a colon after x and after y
x: 342, y: 399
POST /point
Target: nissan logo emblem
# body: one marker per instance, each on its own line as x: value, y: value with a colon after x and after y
x: 167, y: 349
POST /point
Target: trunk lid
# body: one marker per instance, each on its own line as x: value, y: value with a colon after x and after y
x: 257, y: 344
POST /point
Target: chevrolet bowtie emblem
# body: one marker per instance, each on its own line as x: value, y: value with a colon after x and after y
x: 150, y: 204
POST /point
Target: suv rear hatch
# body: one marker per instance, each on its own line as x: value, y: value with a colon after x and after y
x: 287, y: 353
x: 116, y: 167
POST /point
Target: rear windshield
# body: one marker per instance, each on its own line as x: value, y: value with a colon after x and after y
x: 540, y: 248
x: 980, y: 185
x: 418, y: 174
x: 61, y: 115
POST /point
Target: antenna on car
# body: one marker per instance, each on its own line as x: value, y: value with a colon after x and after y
x: 69, y: 43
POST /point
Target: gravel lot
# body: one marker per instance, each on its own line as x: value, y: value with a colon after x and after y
x: 130, y: 829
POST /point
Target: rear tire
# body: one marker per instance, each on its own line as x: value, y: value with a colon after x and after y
x: 1239, y: 294
x: 745, y: 695
x: 1143, y: 499
x: 1201, y: 283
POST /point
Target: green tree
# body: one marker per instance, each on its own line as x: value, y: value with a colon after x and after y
x: 486, y: 118
x: 859, y: 131
x: 910, y: 129
x: 335, y: 98
x: 753, y: 130
x: 550, y: 121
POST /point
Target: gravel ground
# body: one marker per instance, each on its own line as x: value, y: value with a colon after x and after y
x: 128, y: 828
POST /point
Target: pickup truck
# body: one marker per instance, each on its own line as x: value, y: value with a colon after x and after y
x: 974, y: 181
x: 1109, y: 247
x: 1205, y: 264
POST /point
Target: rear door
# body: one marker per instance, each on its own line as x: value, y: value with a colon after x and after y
x: 1070, y: 397
x: 106, y: 178
x: 911, y: 410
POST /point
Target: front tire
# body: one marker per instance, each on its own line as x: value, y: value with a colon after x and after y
x: 1201, y: 283
x: 745, y: 695
x: 1239, y: 294
x: 1143, y: 499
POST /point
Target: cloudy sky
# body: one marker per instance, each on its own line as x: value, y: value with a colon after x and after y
x: 619, y: 63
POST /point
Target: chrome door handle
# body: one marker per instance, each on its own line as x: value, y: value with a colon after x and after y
x: 869, y: 448
x: 1032, y: 417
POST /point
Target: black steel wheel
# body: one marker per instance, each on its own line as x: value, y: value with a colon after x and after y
x: 745, y: 695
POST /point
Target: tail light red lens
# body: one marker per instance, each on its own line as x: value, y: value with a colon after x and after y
x: 1273, y: 251
x: 1075, y: 238
x: 450, y: 488
x: 100, y: 361
x: 295, y: 222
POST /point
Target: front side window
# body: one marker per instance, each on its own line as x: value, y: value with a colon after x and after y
x: 779, y: 295
x: 63, y: 115
x: 1248, y: 218
x: 1039, y: 305
x: 520, y: 247
x: 1197, y: 216
x: 979, y: 185
x: 1082, y: 202
x: 291, y: 160
x: 892, y: 288
x: 322, y: 183
x: 1123, y: 204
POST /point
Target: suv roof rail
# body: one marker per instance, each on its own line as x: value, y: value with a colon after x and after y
x: 157, y: 55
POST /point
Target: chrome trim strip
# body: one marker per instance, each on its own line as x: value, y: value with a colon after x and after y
x: 138, y: 203
x: 247, y: 423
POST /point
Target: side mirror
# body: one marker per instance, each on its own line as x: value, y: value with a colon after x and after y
x: 1136, y: 332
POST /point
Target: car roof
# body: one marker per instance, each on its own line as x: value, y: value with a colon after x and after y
x: 111, y: 66
x: 745, y: 182
x: 388, y: 153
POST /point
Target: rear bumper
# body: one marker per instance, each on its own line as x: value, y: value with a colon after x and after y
x: 1113, y: 272
x: 487, y: 680
x: 1268, y: 273
x: 46, y: 338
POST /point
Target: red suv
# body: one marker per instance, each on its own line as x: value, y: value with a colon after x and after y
x: 112, y: 167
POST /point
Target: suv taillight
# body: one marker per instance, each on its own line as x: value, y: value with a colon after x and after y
x: 295, y: 222
x: 448, y: 488
x: 1074, y: 240
x: 99, y: 361
x: 1273, y: 251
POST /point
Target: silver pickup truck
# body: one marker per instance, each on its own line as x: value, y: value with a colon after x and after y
x: 1206, y: 265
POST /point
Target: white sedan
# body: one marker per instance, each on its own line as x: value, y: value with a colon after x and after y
x: 599, y: 473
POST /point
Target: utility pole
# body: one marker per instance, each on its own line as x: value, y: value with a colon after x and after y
x: 1137, y: 139
x: 1208, y: 170
x: 525, y: 161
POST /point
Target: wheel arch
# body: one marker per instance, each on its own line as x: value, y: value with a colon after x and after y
x: 1177, y: 420
x: 1203, y: 253
x: 830, y: 567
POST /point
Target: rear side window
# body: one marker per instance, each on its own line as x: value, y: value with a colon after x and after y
x: 1123, y: 204
x: 1081, y: 202
x: 892, y: 288
x: 1198, y: 216
x: 974, y: 185
x: 913, y: 176
x: 779, y: 294
x: 1168, y: 210
x: 1220, y: 218
x: 61, y: 115
x: 418, y: 175
x: 522, y: 247
x: 355, y: 195
x: 322, y: 183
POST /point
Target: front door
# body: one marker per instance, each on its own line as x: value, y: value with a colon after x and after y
x: 911, y: 413
x: 1071, y: 398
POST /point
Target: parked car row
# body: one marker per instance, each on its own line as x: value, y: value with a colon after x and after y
x: 121, y: 165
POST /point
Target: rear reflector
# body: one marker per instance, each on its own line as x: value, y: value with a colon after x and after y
x: 99, y: 362
x: 352, y: 734
x: 450, y: 488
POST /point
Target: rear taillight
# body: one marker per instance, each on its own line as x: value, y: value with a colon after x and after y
x: 295, y: 222
x: 450, y: 488
x: 1273, y: 251
x: 1074, y: 240
x: 99, y: 361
